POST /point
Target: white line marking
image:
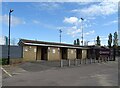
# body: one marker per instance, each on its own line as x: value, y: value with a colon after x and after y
x: 6, y: 72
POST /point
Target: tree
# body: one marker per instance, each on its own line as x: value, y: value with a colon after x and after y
x: 115, y: 44
x: 115, y: 40
x: 98, y: 41
x: 75, y: 42
x: 109, y: 40
x: 78, y: 41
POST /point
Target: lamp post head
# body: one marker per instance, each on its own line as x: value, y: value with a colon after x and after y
x: 11, y: 10
x: 82, y: 19
x: 60, y: 31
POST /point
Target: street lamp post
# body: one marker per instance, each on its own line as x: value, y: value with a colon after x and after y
x: 82, y: 30
x: 60, y: 34
x: 9, y: 36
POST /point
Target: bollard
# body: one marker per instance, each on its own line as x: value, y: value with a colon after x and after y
x: 94, y: 60
x: 108, y: 58
x: 69, y: 62
x: 91, y: 60
x: 105, y: 59
x: 85, y: 60
x: 80, y: 61
x: 61, y: 63
x: 101, y: 59
x: 75, y: 62
x: 88, y: 60
x: 98, y: 59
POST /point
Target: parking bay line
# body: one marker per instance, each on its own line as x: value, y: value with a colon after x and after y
x: 6, y: 72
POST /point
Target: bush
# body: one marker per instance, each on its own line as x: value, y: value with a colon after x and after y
x: 3, y: 61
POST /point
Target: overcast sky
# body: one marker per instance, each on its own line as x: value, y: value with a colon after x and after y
x: 42, y: 20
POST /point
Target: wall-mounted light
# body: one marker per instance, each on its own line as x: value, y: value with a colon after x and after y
x: 58, y: 49
x: 75, y: 50
x: 48, y: 49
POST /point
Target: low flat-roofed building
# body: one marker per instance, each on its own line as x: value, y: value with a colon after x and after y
x: 40, y: 50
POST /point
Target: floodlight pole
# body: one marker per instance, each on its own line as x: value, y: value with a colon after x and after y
x: 82, y: 30
x: 60, y: 34
x: 9, y: 36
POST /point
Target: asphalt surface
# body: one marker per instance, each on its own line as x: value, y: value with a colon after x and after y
x: 50, y: 74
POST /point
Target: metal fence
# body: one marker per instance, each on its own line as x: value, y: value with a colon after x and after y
x: 15, y: 51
